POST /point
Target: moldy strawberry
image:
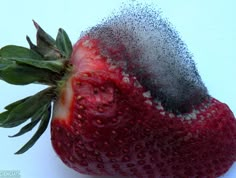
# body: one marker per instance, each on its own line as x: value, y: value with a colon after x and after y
x: 125, y: 100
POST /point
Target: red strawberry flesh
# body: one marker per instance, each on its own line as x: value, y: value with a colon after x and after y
x: 116, y: 128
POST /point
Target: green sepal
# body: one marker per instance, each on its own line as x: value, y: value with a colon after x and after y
x: 43, y: 38
x: 28, y: 127
x: 16, y: 74
x: 3, y: 116
x: 14, y: 51
x: 29, y: 57
x: 42, y: 127
x: 4, y: 62
x: 47, y: 52
x: 63, y: 43
x: 53, y: 65
x: 33, y: 122
x: 46, y: 45
x: 25, y: 110
x: 16, y: 103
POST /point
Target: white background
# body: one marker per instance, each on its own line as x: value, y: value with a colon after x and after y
x: 207, y: 26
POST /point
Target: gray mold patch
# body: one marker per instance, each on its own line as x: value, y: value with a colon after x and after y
x: 150, y: 48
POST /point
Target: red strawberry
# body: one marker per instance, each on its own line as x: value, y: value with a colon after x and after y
x: 109, y: 126
x: 113, y: 114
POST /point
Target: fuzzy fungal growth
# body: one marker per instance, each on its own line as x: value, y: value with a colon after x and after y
x: 154, y: 53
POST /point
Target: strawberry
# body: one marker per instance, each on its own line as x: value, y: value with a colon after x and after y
x: 117, y: 111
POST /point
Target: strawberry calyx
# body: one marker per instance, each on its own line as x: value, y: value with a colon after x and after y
x: 46, y: 63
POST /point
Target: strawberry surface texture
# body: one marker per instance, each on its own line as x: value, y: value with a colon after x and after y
x: 125, y: 100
